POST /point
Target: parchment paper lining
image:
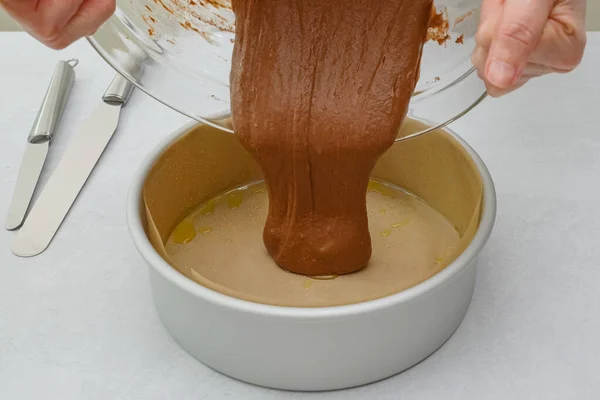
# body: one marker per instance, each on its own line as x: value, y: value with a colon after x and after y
x: 205, y: 162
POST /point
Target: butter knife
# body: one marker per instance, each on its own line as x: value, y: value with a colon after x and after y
x: 38, y: 141
x: 72, y: 172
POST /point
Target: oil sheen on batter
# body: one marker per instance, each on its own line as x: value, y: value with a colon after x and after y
x: 220, y: 243
x: 319, y: 90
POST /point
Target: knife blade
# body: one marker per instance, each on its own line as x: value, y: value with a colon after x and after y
x: 38, y: 141
x: 72, y: 172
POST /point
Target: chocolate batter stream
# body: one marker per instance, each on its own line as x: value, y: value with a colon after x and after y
x: 319, y: 90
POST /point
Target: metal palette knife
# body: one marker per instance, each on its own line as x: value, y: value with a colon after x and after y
x: 39, y: 140
x: 72, y: 172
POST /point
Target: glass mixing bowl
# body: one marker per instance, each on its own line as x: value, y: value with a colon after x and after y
x: 179, y: 52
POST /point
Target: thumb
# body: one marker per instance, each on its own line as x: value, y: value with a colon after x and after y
x: 517, y: 34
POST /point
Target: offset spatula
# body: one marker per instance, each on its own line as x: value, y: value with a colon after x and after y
x: 72, y: 172
x: 39, y: 140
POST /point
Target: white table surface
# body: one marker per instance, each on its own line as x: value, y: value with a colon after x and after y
x: 78, y: 322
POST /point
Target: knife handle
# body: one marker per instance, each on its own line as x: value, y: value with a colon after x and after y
x: 118, y: 91
x: 54, y: 102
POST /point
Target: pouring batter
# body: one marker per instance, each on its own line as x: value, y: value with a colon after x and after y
x: 319, y: 91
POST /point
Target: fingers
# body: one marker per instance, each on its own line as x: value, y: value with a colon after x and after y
x: 491, y: 11
x: 563, y: 41
x: 530, y: 71
x: 496, y: 92
x: 43, y: 19
x: 86, y: 21
x: 534, y: 70
x: 516, y: 36
x: 58, y: 23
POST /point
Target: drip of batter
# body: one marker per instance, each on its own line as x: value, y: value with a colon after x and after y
x: 319, y: 90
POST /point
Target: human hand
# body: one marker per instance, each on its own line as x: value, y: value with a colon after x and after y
x: 521, y: 39
x: 58, y: 23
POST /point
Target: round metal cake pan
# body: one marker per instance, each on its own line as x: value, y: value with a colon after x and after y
x: 312, y: 349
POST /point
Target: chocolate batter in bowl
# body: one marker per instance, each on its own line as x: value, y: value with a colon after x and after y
x: 187, y: 47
